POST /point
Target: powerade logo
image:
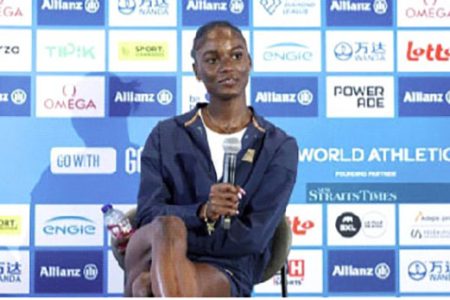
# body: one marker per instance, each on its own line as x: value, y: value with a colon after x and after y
x: 142, y: 96
x: 68, y: 272
x: 285, y: 97
x: 69, y: 226
x: 424, y: 96
x: 198, y: 12
x: 14, y: 96
x: 361, y: 271
x: 71, y: 12
x: 359, y: 12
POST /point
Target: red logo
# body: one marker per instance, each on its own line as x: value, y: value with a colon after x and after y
x: 8, y: 11
x: 296, y: 268
x: 70, y: 101
x: 430, y: 53
x: 300, y: 227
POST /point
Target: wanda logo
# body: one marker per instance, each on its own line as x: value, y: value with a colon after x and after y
x: 432, y: 52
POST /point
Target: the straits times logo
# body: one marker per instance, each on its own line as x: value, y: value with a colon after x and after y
x: 68, y: 272
x: 359, y: 13
x: 424, y: 96
x: 83, y: 160
x: 285, y: 96
x: 70, y: 96
x: 348, y: 193
x: 197, y: 12
x: 374, y: 271
x: 14, y: 272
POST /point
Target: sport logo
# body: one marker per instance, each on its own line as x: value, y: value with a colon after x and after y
x: 348, y: 224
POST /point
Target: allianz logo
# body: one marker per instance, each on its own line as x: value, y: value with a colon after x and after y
x: 90, y: 6
x: 89, y: 272
x: 69, y: 226
x: 288, y: 51
x: 235, y: 6
x: 163, y: 97
x: 379, y: 6
x: 421, y: 97
x: 381, y: 271
x: 17, y: 96
x: 303, y: 97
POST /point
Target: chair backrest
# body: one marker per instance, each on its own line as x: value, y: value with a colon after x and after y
x: 280, y: 247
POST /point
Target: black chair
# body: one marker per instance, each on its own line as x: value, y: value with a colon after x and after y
x: 278, y: 262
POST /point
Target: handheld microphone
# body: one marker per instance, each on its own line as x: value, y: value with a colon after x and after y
x: 231, y: 147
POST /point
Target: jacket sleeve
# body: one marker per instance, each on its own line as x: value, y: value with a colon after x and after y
x: 154, y: 198
x: 253, y: 229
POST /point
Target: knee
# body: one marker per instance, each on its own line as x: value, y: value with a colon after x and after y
x: 170, y: 228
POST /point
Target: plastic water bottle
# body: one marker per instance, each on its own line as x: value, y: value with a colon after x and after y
x: 118, y: 224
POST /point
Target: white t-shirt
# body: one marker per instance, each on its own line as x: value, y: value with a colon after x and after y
x: 215, y: 142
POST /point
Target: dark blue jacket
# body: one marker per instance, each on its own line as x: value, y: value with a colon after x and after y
x: 177, y: 173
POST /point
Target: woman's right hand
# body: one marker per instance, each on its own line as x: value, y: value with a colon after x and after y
x: 223, y: 201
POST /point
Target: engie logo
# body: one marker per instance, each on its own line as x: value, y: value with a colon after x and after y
x: 198, y: 12
x: 70, y: 96
x: 423, y: 51
x: 142, y: 96
x: 424, y: 96
x: 361, y: 271
x: 68, y: 225
x: 71, y: 12
x: 353, y: 97
x: 14, y: 96
x: 68, y: 272
x: 285, y: 96
x: 359, y: 13
x: 14, y: 272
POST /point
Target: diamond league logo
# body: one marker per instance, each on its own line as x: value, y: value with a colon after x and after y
x: 270, y: 5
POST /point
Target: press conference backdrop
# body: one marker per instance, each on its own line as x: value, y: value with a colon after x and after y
x: 363, y: 85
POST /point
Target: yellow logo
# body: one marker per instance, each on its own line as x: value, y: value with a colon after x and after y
x: 142, y: 50
x: 10, y: 225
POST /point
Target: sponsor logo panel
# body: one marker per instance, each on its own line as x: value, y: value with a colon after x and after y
x: 423, y: 51
x: 377, y: 192
x: 148, y: 13
x: 287, y: 51
x: 285, y: 96
x: 70, y: 50
x: 71, y: 12
x: 306, y: 224
x: 424, y: 271
x: 70, y: 96
x: 424, y: 96
x: 359, y: 12
x: 61, y: 272
x: 14, y: 224
x: 15, y: 50
x: 81, y: 160
x: 14, y: 272
x: 358, y: 51
x: 425, y: 224
x: 143, y: 50
x: 15, y: 12
x: 142, y: 96
x: 187, y: 37
x: 304, y: 274
x: 360, y: 97
x: 361, y: 224
x: 115, y: 275
x: 287, y: 13
x: 15, y: 95
x: 68, y: 225
x: 361, y: 271
x: 199, y: 12
x: 423, y: 13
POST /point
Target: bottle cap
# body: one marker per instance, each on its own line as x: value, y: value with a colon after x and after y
x: 106, y: 207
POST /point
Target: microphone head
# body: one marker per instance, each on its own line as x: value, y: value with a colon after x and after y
x: 231, y: 145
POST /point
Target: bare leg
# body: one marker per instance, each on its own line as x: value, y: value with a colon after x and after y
x: 172, y: 274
